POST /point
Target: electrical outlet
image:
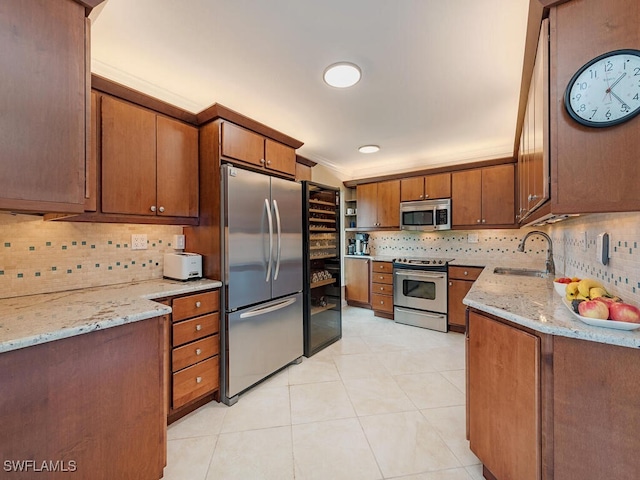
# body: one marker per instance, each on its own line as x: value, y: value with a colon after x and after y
x: 139, y: 241
x: 473, y: 238
x: 178, y: 242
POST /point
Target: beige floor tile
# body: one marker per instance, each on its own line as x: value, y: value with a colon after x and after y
x: 405, y: 444
x: 189, y: 458
x: 335, y: 450
x: 385, y: 343
x: 406, y: 361
x: 364, y: 365
x: 457, y: 377
x: 475, y: 472
x: 448, y: 358
x: 430, y: 390
x: 451, y: 474
x: 348, y: 346
x: 265, y: 454
x: 371, y: 396
x: 450, y: 422
x: 313, y: 370
x: 207, y: 420
x: 259, y: 408
x: 315, y: 402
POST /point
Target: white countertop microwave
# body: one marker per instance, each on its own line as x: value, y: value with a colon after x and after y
x: 426, y: 215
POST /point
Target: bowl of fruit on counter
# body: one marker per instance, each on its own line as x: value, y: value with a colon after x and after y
x: 560, y: 284
x: 590, y: 302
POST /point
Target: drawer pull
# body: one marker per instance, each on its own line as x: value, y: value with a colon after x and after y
x: 381, y: 288
x: 198, y: 379
x: 198, y: 327
x: 381, y: 277
x: 466, y: 273
x: 198, y: 304
x: 381, y: 302
x: 198, y: 351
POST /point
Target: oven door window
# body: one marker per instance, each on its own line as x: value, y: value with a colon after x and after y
x: 417, y: 218
x: 422, y: 289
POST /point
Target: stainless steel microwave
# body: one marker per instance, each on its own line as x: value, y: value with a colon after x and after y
x: 426, y: 215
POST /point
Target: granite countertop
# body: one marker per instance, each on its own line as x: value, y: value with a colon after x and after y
x: 532, y: 302
x: 35, y: 319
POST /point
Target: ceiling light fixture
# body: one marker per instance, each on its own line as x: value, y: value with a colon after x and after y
x: 369, y: 149
x: 342, y: 75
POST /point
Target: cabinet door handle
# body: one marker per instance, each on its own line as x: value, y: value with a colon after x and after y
x: 483, y: 220
x: 478, y: 221
x: 161, y: 209
x: 198, y: 304
x: 198, y: 351
x: 153, y: 208
x: 198, y: 379
x: 262, y: 161
x: 268, y: 162
x: 426, y: 195
x: 421, y: 197
x: 451, y: 284
x: 198, y: 327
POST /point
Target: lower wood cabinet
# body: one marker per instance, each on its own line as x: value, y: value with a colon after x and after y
x: 382, y: 289
x: 503, y: 398
x: 460, y: 282
x: 194, y: 348
x: 357, y: 273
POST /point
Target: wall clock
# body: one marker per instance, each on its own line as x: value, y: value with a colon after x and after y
x: 606, y: 90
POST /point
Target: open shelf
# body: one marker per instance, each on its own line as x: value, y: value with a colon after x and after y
x: 321, y: 283
x: 328, y: 306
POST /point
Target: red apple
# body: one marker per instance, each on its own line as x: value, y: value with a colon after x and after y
x: 593, y: 309
x: 623, y: 312
x: 562, y: 280
x: 607, y: 300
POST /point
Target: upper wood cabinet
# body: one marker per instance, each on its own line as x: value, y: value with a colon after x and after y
x: 241, y: 144
x: 379, y: 204
x: 149, y: 162
x: 427, y: 187
x: 483, y: 196
x: 44, y: 105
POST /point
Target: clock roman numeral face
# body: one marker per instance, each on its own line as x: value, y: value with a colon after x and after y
x: 606, y: 91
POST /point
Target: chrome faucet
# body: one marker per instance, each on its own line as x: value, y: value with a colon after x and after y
x: 551, y: 269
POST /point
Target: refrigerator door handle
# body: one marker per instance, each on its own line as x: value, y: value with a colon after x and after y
x: 270, y: 219
x: 270, y: 308
x: 279, y: 230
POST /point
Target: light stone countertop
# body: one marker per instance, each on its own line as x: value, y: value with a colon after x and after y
x: 35, y: 319
x: 532, y: 302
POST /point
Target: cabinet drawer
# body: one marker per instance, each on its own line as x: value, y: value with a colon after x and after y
x: 194, y: 352
x: 193, y: 305
x: 195, y: 381
x: 196, y: 328
x: 465, y: 273
x: 381, y: 289
x: 382, y: 278
x: 382, y: 267
x: 383, y: 303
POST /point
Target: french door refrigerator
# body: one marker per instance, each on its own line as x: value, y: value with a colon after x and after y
x: 262, y: 277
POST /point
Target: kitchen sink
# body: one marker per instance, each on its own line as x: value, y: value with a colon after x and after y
x: 523, y: 272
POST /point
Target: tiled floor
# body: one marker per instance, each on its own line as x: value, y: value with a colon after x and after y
x: 385, y: 402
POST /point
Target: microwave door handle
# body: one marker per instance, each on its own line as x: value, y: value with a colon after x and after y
x: 270, y: 222
x: 276, y: 210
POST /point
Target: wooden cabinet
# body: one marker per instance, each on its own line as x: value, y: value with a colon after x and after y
x: 241, y: 144
x: 379, y: 204
x: 382, y: 289
x: 357, y: 274
x: 426, y: 187
x: 44, y: 103
x: 483, y: 197
x: 194, y: 351
x: 533, y: 154
x: 149, y: 162
x: 94, y: 399
x: 503, y: 398
x: 460, y: 282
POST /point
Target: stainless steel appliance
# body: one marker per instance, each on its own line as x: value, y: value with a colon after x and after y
x: 262, y: 277
x: 362, y: 244
x: 426, y: 215
x: 420, y: 292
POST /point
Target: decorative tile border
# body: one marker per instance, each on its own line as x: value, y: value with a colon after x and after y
x: 39, y: 257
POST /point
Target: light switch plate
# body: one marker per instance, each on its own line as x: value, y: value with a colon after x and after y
x: 473, y: 238
x: 139, y: 241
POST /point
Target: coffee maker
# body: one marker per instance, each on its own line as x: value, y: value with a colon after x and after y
x: 362, y: 243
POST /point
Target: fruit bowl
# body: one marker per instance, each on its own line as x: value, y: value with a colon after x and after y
x: 560, y: 288
x: 601, y: 323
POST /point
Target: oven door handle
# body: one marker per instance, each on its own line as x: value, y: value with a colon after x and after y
x: 414, y: 273
x: 422, y: 313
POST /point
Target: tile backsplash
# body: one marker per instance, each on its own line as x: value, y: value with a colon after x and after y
x: 38, y: 256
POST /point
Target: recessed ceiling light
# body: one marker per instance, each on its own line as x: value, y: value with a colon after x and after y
x: 342, y: 74
x: 369, y: 149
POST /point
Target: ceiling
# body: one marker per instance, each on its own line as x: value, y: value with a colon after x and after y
x: 440, y: 78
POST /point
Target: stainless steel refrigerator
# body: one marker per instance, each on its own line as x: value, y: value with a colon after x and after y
x: 262, y: 277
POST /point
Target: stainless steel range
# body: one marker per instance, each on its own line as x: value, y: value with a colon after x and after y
x: 420, y: 292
